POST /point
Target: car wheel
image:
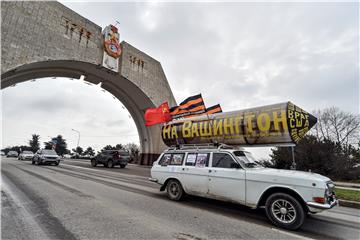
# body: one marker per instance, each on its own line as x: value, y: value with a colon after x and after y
x: 285, y: 211
x: 93, y: 163
x: 110, y: 164
x: 57, y: 163
x: 32, y: 162
x: 174, y: 190
x: 122, y: 166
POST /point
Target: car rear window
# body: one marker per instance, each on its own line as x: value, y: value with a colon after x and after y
x: 165, y: 160
x: 172, y: 159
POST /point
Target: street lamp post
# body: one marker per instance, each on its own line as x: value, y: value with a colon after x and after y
x: 78, y: 137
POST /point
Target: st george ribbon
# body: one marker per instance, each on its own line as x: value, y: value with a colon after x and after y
x: 279, y: 124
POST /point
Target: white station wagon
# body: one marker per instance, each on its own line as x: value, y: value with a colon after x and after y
x: 231, y: 174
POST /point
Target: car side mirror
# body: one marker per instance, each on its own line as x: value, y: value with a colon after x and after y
x: 235, y: 165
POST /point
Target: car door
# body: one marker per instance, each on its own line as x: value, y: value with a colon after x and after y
x: 226, y: 178
x: 194, y: 174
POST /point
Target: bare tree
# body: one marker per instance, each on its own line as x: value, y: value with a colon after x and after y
x: 338, y: 126
x: 134, y: 151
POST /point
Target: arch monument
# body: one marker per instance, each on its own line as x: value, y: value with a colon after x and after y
x: 47, y: 39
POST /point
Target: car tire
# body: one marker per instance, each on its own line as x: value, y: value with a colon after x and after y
x: 110, y: 164
x: 122, y: 166
x: 174, y: 190
x: 32, y: 162
x: 57, y: 163
x: 93, y: 163
x: 285, y: 211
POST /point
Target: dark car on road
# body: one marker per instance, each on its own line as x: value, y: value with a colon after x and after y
x: 43, y: 156
x: 111, y: 158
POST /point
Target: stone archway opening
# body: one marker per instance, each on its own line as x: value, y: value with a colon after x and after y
x: 130, y: 95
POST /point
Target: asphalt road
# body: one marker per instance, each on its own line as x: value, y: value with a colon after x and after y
x: 75, y: 201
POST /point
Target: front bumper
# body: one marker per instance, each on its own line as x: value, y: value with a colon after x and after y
x: 318, y: 207
x: 153, y: 180
x: 49, y: 160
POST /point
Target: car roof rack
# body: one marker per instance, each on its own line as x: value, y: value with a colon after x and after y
x: 200, y: 146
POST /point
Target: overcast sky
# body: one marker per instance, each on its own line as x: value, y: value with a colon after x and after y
x: 237, y: 54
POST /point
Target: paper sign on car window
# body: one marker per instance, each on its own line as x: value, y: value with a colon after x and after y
x: 201, y: 160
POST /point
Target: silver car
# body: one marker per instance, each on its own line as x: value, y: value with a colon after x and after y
x: 26, y: 155
x: 44, y: 156
x: 12, y: 154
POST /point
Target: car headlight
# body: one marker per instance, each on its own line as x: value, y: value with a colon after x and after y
x: 329, y: 189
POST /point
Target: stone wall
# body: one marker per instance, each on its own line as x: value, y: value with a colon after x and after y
x: 40, y: 31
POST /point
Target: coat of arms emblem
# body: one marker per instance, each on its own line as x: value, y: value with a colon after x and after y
x: 112, y: 48
x: 111, y: 41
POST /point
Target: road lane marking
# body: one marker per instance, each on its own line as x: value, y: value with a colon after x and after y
x: 101, y: 171
x: 118, y: 178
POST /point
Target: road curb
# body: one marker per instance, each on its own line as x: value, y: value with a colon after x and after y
x: 347, y: 203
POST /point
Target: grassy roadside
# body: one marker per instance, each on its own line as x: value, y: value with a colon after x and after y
x: 347, y: 194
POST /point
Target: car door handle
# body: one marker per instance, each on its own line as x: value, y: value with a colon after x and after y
x: 210, y: 171
x: 183, y: 169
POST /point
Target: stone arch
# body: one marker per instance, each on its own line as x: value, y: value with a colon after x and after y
x: 133, y: 98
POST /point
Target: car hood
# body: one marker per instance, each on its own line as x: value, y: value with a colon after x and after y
x: 27, y: 155
x: 281, y: 176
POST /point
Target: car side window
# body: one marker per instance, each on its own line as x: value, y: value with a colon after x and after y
x: 165, y: 160
x: 177, y: 159
x: 191, y: 159
x: 222, y: 160
x: 197, y: 159
x: 202, y: 160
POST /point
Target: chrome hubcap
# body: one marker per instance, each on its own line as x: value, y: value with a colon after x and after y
x: 283, y: 211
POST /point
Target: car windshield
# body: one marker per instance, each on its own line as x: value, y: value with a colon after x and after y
x: 246, y: 158
x: 49, y: 152
x: 27, y: 152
